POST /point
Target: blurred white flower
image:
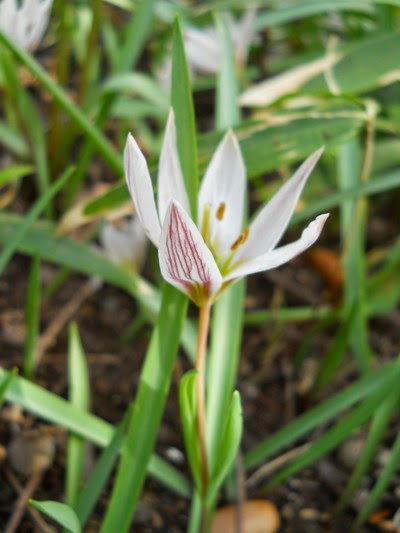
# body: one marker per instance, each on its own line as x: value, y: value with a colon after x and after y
x: 202, y: 47
x: 125, y: 244
x: 26, y: 22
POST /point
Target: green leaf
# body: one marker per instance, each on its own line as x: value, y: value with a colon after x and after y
x: 30, y: 217
x: 336, y: 351
x: 5, y: 384
x: 135, y: 34
x: 334, y: 436
x: 289, y: 138
x: 222, y: 364
x: 138, y: 84
x: 228, y: 447
x: 366, y: 65
x: 58, y: 411
x: 187, y: 404
x: 182, y: 103
x: 60, y: 512
x: 32, y: 318
x: 353, y: 225
x: 380, y: 381
x: 227, y: 109
x: 309, y: 8
x: 93, y: 489
x: 78, y: 380
x: 12, y: 141
x: 63, y: 100
x: 149, y: 404
x: 13, y: 173
x: 380, y: 420
x: 381, y: 485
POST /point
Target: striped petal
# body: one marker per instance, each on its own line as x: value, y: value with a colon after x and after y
x: 185, y: 260
x: 141, y: 189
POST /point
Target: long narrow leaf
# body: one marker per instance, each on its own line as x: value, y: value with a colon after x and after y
x: 384, y: 379
x: 30, y: 218
x: 89, y: 496
x: 182, y: 103
x: 56, y: 410
x: 75, y: 113
x: 149, y: 404
x: 78, y: 379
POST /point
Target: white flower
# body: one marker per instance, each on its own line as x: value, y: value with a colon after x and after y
x: 25, y: 24
x: 203, y: 49
x: 201, y: 260
x: 125, y: 244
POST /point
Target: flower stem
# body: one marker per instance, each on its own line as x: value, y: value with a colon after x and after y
x: 204, y: 320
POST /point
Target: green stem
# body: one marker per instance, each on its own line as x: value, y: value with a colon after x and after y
x: 204, y: 321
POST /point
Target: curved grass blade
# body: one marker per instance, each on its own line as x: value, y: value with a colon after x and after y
x: 58, y: 411
x: 74, y: 112
x: 13, y: 173
x: 5, y: 384
x: 149, y: 403
x: 79, y: 394
x: 31, y: 216
x: 333, y: 437
x: 91, y: 493
x: 32, y: 318
x: 376, y: 432
x: 182, y: 103
x: 383, y: 380
x: 381, y: 485
x: 60, y: 512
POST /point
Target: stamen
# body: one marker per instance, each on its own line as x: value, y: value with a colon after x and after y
x: 220, y: 211
x: 205, y: 227
x: 240, y: 240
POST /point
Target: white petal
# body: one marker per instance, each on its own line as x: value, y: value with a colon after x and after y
x: 141, y: 189
x: 223, y: 191
x: 271, y: 222
x: 281, y: 255
x: 202, y: 50
x: 185, y: 260
x: 170, y: 180
x: 25, y: 24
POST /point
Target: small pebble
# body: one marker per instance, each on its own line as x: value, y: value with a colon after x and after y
x: 31, y: 451
x: 258, y: 516
x: 350, y: 451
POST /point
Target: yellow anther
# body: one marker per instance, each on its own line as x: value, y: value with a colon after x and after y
x: 221, y: 211
x: 240, y: 240
x: 205, y: 228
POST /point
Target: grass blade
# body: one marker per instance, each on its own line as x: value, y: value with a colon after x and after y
x: 149, y: 404
x: 56, y: 410
x: 74, y: 112
x: 30, y: 217
x: 32, y: 318
x: 78, y: 380
x: 182, y: 103
x: 89, y: 496
x: 384, y: 379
